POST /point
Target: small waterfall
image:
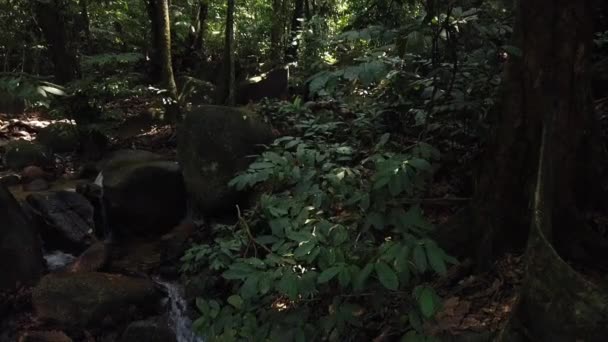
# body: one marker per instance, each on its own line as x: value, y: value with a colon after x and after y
x: 57, y: 259
x: 178, y: 315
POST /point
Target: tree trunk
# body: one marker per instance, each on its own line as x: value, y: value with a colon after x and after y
x: 291, y: 54
x: 230, y: 98
x: 51, y: 17
x: 86, y: 23
x: 155, y: 60
x: 542, y: 172
x: 166, y: 72
x: 200, y: 26
x: 276, y: 32
x: 550, y: 76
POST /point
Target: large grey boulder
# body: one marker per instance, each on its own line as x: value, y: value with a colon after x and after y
x: 20, y: 251
x: 214, y: 144
x: 143, y: 192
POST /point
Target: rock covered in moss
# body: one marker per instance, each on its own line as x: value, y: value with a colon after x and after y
x: 87, y: 299
x: 144, y: 192
x: 59, y: 137
x: 20, y: 250
x: 20, y: 153
x: 215, y: 143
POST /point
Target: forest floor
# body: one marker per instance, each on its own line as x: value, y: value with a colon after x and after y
x: 472, y: 302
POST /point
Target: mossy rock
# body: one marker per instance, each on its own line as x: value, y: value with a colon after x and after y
x: 144, y: 192
x: 20, y: 153
x: 59, y: 137
x: 215, y: 143
x: 86, y: 299
x: 20, y: 249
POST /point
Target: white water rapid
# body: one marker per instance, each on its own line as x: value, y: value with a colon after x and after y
x: 178, y: 315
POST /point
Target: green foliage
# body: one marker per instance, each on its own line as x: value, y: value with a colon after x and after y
x: 31, y: 90
x: 336, y: 240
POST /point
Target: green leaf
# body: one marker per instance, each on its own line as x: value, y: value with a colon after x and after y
x: 288, y: 285
x: 250, y: 286
x: 375, y: 219
x: 304, y: 248
x: 415, y: 320
x: 512, y: 50
x: 344, y: 277
x: 387, y: 276
x: 420, y: 164
x: 436, y: 260
x: 420, y: 258
x: 362, y: 277
x: 427, y: 302
x: 328, y: 274
x: 236, y: 301
x: 238, y: 271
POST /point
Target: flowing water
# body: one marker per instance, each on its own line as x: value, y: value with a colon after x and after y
x: 178, y: 314
x: 57, y: 259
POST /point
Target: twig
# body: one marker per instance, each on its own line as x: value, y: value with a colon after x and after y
x: 244, y: 224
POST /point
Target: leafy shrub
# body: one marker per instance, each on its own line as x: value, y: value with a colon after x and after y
x: 337, y: 247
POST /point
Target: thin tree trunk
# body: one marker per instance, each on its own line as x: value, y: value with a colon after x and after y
x: 276, y: 33
x: 84, y: 13
x: 164, y: 47
x: 291, y: 54
x: 201, y: 25
x: 229, y: 55
x: 155, y: 59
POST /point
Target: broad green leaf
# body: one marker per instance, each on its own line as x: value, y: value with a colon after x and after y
x: 375, y: 219
x: 304, y: 248
x: 435, y: 256
x: 238, y: 271
x: 288, y: 285
x: 344, y: 277
x: 328, y: 274
x: 387, y: 276
x: 362, y: 277
x: 250, y: 286
x: 427, y: 302
x: 420, y: 164
x: 420, y: 259
x: 236, y: 301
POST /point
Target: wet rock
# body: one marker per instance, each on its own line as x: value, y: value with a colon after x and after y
x: 10, y: 179
x: 31, y: 173
x: 94, y: 143
x: 20, y: 250
x: 121, y: 158
x: 59, y: 137
x: 144, y: 195
x: 20, y: 153
x: 214, y: 144
x: 173, y: 245
x: 87, y: 299
x: 64, y: 218
x: 44, y: 336
x: 154, y: 330
x: 36, y: 185
x: 91, y: 260
x: 196, y: 91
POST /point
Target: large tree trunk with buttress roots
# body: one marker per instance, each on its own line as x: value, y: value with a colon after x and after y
x: 542, y: 173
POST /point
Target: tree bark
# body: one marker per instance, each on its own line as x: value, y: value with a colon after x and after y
x: 230, y: 98
x: 51, y: 17
x: 291, y: 54
x: 200, y: 28
x: 551, y: 76
x: 154, y: 55
x: 276, y: 33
